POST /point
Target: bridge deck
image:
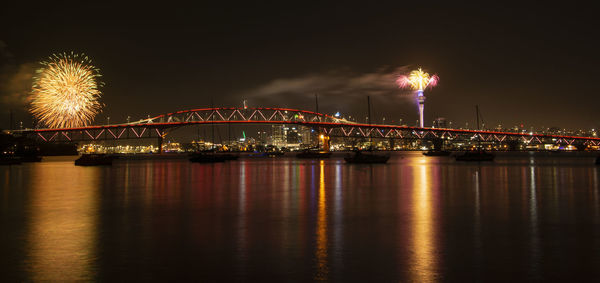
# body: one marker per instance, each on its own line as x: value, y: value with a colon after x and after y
x: 158, y: 127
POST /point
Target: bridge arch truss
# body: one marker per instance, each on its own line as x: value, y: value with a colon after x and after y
x: 159, y: 126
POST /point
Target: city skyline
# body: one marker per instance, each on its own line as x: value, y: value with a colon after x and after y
x: 359, y: 141
x: 341, y: 53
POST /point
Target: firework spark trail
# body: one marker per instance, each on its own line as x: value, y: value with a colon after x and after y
x: 65, y: 91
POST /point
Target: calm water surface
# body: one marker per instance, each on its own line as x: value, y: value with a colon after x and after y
x: 525, y: 217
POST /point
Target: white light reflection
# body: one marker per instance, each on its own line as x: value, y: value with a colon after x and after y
x: 533, y: 214
x: 338, y: 242
x: 242, y: 229
x: 595, y: 176
x: 477, y: 225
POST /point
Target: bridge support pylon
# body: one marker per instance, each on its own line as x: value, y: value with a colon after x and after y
x: 161, y: 137
x: 325, y: 141
x: 160, y: 144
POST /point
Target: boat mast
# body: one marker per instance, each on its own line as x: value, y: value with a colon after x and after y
x: 369, y: 121
x: 478, y: 138
x: 477, y: 113
x: 212, y: 105
x: 318, y: 117
x: 317, y: 104
x: 369, y: 110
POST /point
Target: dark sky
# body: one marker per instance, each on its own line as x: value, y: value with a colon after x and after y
x: 522, y: 64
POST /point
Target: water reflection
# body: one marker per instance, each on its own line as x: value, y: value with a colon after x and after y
x: 61, y: 240
x: 284, y: 219
x: 242, y: 229
x: 338, y: 223
x: 321, y: 251
x: 533, y: 215
x: 477, y: 243
x: 595, y: 188
x: 424, y: 260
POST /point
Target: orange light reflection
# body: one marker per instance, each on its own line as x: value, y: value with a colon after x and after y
x: 321, y: 252
x: 424, y: 260
x: 63, y: 221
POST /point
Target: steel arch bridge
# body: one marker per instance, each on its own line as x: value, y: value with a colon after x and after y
x: 159, y: 126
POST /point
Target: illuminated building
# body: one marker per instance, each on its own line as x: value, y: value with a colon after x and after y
x: 440, y: 122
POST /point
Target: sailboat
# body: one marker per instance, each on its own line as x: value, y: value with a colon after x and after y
x: 205, y: 157
x: 479, y: 154
x: 307, y: 153
x: 210, y: 156
x: 367, y: 157
x: 314, y: 153
x: 438, y: 149
x: 94, y: 160
x: 227, y: 155
x: 6, y: 159
x: 433, y: 152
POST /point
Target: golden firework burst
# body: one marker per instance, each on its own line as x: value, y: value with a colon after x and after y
x: 65, y: 91
x: 417, y: 80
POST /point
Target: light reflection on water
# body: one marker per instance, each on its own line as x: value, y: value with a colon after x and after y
x: 321, y: 253
x: 415, y: 219
x: 424, y: 269
x: 61, y: 240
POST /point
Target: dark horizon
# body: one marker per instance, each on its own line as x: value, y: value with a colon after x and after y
x: 522, y: 65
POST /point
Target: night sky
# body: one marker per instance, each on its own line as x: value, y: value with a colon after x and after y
x: 531, y: 65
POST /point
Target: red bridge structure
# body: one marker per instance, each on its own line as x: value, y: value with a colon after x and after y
x: 159, y: 126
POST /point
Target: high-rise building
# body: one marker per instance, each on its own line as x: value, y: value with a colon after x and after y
x: 305, y: 134
x: 440, y: 122
x: 277, y: 135
x: 292, y: 136
x: 262, y: 137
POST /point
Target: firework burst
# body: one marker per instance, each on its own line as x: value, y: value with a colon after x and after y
x: 65, y: 91
x: 417, y: 80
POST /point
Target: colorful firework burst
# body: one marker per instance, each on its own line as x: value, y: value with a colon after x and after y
x: 417, y: 80
x: 65, y: 91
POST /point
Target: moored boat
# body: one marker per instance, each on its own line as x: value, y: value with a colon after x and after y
x: 274, y: 153
x: 207, y: 158
x: 9, y: 160
x: 30, y: 158
x: 476, y: 155
x: 229, y: 156
x: 367, y: 158
x: 479, y: 154
x: 313, y: 154
x: 436, y: 153
x: 265, y: 154
x: 94, y: 160
x: 28, y: 153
